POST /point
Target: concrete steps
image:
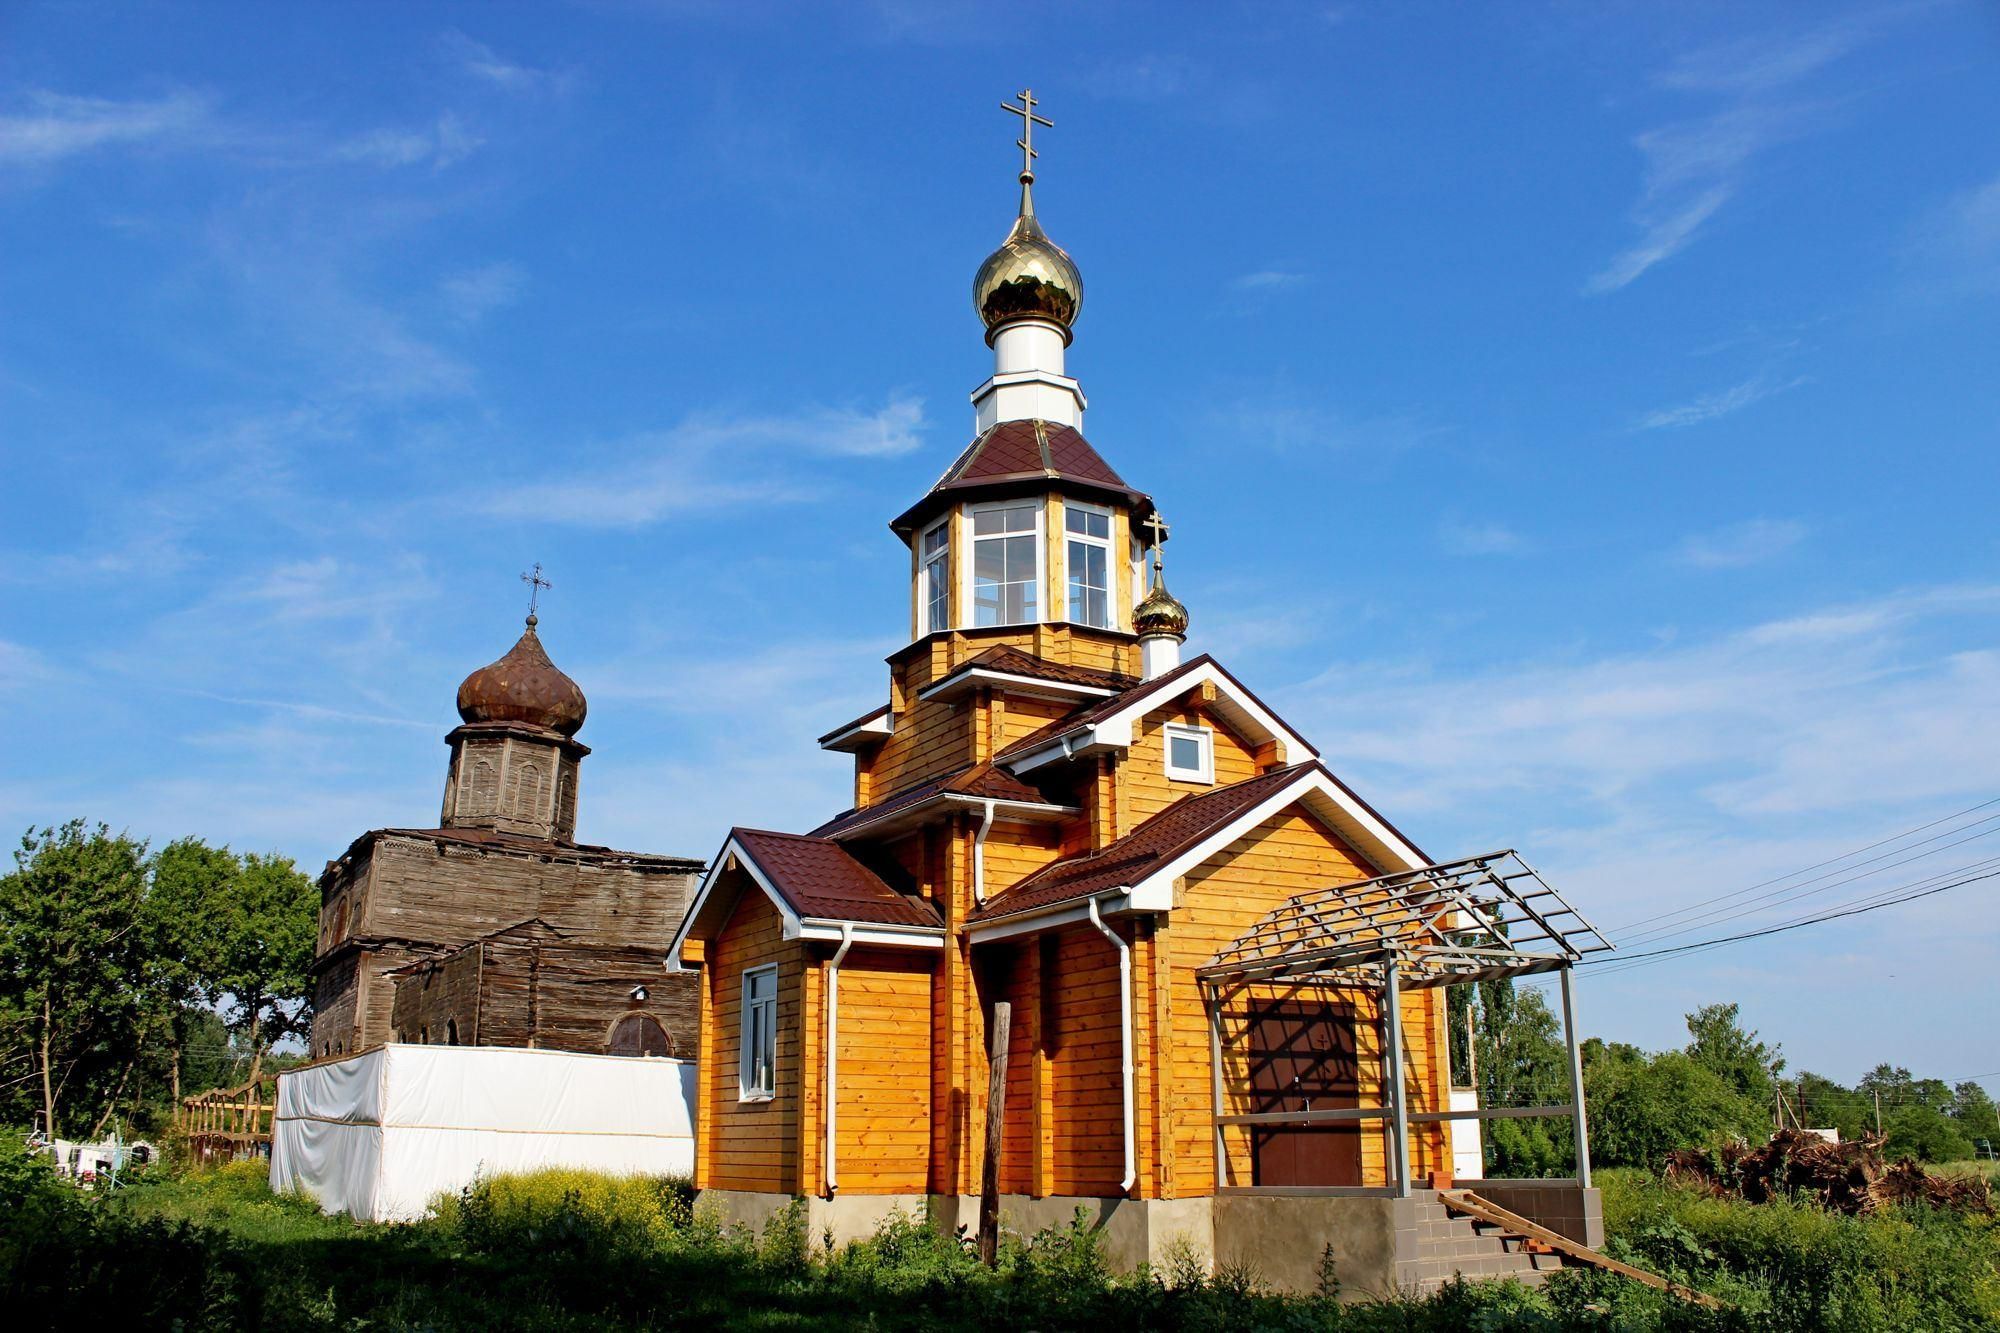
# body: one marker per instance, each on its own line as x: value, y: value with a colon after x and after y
x: 1447, y: 1245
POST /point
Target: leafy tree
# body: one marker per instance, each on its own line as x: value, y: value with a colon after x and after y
x: 1972, y: 1110
x: 266, y: 953
x: 1719, y: 1043
x: 71, y: 943
x: 1521, y: 1062
x: 1922, y: 1131
x: 187, y: 911
x: 1643, y: 1107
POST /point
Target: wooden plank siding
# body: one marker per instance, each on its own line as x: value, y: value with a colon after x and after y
x: 752, y: 1145
x: 1285, y: 855
x: 882, y: 1130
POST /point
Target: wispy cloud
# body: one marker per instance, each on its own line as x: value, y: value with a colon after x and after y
x: 1740, y: 544
x: 1955, y: 250
x: 482, y: 62
x: 712, y: 460
x: 20, y: 667
x: 1472, y: 537
x: 439, y: 145
x: 1767, y: 718
x: 1693, y: 167
x: 473, y: 294
x: 52, y: 126
x: 1267, y: 280
x: 1709, y: 406
x: 1148, y: 77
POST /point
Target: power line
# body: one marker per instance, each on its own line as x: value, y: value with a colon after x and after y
x: 1795, y: 925
x: 1799, y: 889
x: 1879, y: 897
x: 1844, y: 856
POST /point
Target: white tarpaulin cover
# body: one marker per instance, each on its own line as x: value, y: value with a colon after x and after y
x: 382, y: 1134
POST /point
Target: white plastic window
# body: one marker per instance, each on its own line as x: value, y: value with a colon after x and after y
x: 1006, y: 563
x: 1089, y: 561
x: 1190, y: 753
x: 757, y: 1070
x: 937, y: 578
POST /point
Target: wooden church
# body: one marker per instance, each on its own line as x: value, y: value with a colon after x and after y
x: 1223, y: 971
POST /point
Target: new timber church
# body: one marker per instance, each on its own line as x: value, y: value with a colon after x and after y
x: 1221, y: 974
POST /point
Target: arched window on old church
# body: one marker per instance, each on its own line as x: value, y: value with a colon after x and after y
x: 639, y: 1034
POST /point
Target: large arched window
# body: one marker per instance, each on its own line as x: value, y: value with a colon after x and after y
x: 639, y: 1034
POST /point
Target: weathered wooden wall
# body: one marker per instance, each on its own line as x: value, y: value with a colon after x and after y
x: 410, y: 897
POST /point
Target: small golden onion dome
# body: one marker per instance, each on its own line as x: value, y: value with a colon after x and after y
x: 1028, y: 277
x: 524, y: 686
x: 1159, y: 612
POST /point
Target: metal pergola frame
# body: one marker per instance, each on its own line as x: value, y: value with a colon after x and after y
x: 1477, y: 919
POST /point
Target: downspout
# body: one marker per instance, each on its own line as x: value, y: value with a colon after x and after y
x: 1124, y: 1042
x: 979, y: 855
x: 832, y: 1060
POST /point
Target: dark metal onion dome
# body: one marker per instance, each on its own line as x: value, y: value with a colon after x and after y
x: 1028, y: 277
x: 1159, y: 611
x: 524, y: 686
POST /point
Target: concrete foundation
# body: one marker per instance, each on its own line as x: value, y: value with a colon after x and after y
x: 1373, y: 1246
x: 1570, y: 1212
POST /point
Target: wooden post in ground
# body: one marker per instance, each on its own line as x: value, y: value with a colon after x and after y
x: 996, y: 1123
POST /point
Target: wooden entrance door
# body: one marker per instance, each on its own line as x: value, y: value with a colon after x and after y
x: 1302, y: 1058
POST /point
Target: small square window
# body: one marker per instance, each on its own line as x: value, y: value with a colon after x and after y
x: 1190, y: 753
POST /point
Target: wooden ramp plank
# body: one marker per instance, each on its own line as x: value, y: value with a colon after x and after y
x: 1485, y: 1210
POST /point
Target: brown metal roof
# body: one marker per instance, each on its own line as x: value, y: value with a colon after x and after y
x: 980, y: 780
x: 820, y: 879
x: 1151, y: 845
x: 1005, y: 657
x: 1097, y: 710
x: 1017, y: 453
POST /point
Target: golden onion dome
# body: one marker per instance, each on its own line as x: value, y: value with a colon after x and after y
x: 1159, y: 611
x: 1028, y: 277
x: 525, y: 687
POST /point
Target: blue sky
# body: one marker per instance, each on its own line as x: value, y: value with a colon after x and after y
x: 1579, y: 418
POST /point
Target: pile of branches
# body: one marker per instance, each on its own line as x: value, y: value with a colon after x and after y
x: 1848, y: 1177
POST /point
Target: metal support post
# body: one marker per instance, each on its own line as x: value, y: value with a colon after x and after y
x: 1214, y: 998
x: 1576, y: 1083
x: 1392, y: 995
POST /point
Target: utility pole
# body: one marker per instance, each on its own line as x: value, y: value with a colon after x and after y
x: 1878, y: 1113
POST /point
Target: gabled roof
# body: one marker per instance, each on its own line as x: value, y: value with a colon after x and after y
x: 820, y: 878
x: 818, y: 887
x: 1109, y: 722
x: 1142, y: 867
x: 1124, y: 862
x: 978, y: 783
x: 1014, y: 454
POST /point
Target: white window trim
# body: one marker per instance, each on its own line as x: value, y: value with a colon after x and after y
x: 967, y: 583
x: 1110, y: 564
x: 923, y: 577
x: 1205, y: 737
x: 744, y: 1091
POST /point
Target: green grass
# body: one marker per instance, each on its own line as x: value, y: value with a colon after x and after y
x: 562, y: 1250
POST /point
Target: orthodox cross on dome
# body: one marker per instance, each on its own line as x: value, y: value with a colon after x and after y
x: 535, y: 583
x: 1026, y: 143
x: 1159, y: 529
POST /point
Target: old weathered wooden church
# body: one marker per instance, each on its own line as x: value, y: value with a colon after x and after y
x: 497, y: 928
x: 1225, y: 971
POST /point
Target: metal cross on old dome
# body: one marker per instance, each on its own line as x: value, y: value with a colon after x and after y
x: 1158, y: 527
x: 1026, y: 143
x: 535, y: 583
